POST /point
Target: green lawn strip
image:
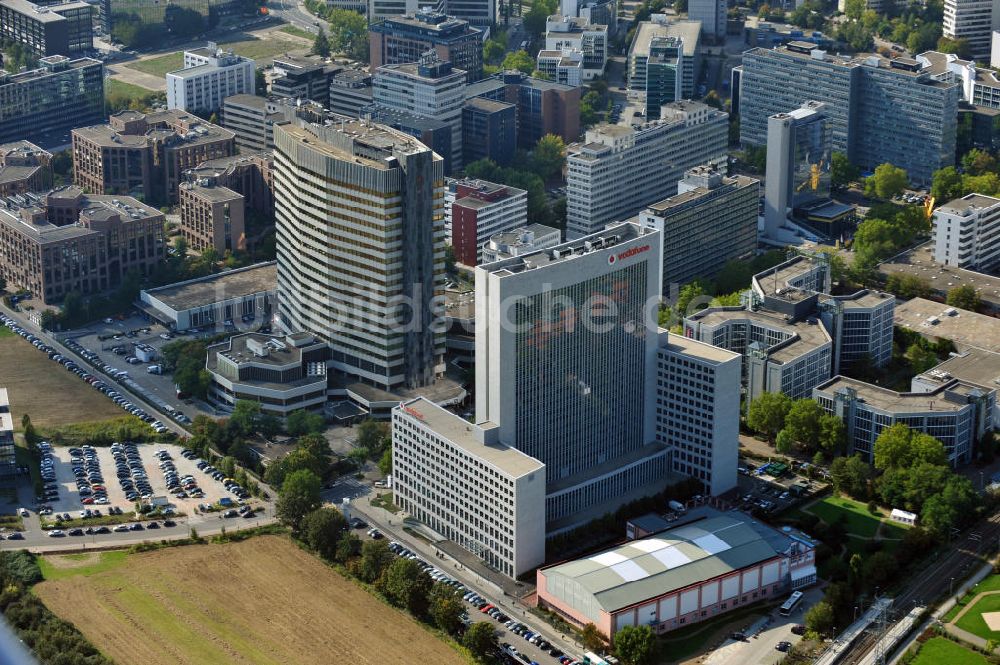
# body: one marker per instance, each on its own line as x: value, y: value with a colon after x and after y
x: 991, y: 583
x: 859, y: 521
x: 106, y: 561
x: 6, y: 332
x: 942, y: 651
x: 264, y: 48
x: 11, y: 522
x: 298, y: 32
x: 972, y: 620
x: 129, y: 90
x: 160, y: 65
x: 105, y: 520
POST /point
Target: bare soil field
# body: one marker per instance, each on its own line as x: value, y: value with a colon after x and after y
x: 259, y: 601
x: 45, y: 390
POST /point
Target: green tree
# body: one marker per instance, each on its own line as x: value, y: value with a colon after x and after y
x: 880, y: 568
x: 304, y: 422
x: 832, y: 434
x: 820, y: 618
x: 802, y: 423
x: 690, y: 293
x: 321, y: 45
x: 899, y: 446
x: 960, y: 47
x: 259, y: 82
x: 851, y: 475
x: 407, y: 585
x: 322, y: 530
x: 375, y: 559
x: 481, y: 641
x: 946, y: 184
x: 921, y: 359
x: 492, y: 51
x: 348, y: 33
x: 347, y: 547
x: 385, y: 463
x: 245, y: 415
x: 907, y: 286
x: 964, y: 297
x: 299, y: 496
x: 978, y: 162
x: 519, y: 60
x: 938, y: 516
x: 784, y: 443
x: 842, y: 172
x: 548, y: 157
x: 445, y: 608
x: 886, y: 182
x: 767, y: 414
x: 374, y: 436
x: 853, y: 9
x: 593, y: 639
x: 636, y: 645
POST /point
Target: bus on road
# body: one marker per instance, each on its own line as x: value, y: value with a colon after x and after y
x: 790, y: 604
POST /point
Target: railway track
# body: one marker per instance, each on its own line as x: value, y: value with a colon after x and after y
x: 936, y: 580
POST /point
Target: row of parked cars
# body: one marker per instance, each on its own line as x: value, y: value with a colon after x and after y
x: 131, y: 471
x: 486, y: 607
x: 181, y: 487
x: 50, y: 489
x: 231, y: 485
x: 113, y: 394
x: 89, y: 479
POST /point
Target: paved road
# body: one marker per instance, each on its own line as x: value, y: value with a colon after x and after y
x: 294, y: 12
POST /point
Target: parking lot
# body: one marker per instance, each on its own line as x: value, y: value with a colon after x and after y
x: 765, y: 493
x: 100, y: 470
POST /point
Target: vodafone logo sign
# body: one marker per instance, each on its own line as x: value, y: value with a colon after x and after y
x: 628, y: 253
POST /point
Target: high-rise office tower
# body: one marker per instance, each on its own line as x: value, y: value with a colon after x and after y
x: 798, y: 163
x: 430, y: 88
x: 973, y: 21
x: 566, y: 366
x: 663, y: 73
x: 712, y: 14
x: 361, y: 246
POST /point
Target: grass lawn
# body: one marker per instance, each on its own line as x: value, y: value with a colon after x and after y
x: 991, y: 583
x: 159, y: 66
x: 114, y: 87
x: 6, y: 332
x: 46, y: 391
x: 942, y: 651
x: 298, y: 32
x: 859, y: 521
x: 973, y: 621
x: 70, y: 565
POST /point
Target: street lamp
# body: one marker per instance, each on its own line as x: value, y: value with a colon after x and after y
x: 951, y: 586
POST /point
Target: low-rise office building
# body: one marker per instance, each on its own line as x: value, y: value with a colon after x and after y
x: 457, y: 478
x: 303, y: 77
x: 967, y: 233
x: 956, y: 413
x: 24, y: 167
x: 489, y: 131
x: 60, y: 28
x: 689, y: 35
x: 65, y: 240
x: 482, y: 209
x: 240, y: 296
x: 350, y: 92
x: 397, y: 40
x: 698, y: 409
x: 282, y: 374
x: 208, y: 77
x: 8, y: 463
x: 212, y: 217
x: 562, y: 66
x: 681, y: 576
x: 575, y: 34
x: 975, y: 366
x: 543, y: 107
x: 711, y: 221
x: 42, y: 105
x: 146, y: 154
x: 251, y: 118
x: 250, y: 175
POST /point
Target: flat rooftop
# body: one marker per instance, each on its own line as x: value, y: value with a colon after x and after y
x: 801, y: 337
x: 674, y: 559
x: 213, y: 194
x: 920, y: 262
x: 977, y: 366
x: 567, y: 251
x: 692, y: 347
x: 891, y: 401
x: 204, y: 291
x: 6, y: 419
x: 489, y: 105
x: 678, y: 201
x: 933, y: 319
x: 43, y: 14
x: 462, y: 433
x: 968, y: 203
x: 353, y: 136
